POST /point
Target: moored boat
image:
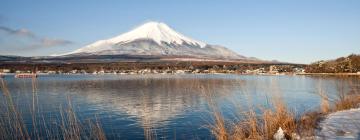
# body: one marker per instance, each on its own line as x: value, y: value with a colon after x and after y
x: 25, y: 75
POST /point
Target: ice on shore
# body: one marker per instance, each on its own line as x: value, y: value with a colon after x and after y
x: 341, y: 125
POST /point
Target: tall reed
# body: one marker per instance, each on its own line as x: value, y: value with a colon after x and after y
x: 13, y: 126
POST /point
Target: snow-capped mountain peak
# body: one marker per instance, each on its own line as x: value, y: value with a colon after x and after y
x: 157, y: 31
x: 156, y: 39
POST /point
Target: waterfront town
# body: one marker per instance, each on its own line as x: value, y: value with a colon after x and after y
x: 349, y: 65
x: 234, y: 69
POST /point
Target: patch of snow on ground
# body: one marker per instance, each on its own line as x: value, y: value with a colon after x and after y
x: 341, y: 125
x: 279, y: 135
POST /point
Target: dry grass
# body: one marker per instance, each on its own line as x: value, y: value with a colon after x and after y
x: 264, y: 124
x: 218, y: 129
x: 12, y: 125
x: 252, y: 126
x: 348, y: 101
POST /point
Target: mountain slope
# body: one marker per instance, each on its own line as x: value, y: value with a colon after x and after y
x: 156, y: 39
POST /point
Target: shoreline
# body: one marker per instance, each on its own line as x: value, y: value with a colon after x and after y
x: 336, y: 74
x: 139, y: 73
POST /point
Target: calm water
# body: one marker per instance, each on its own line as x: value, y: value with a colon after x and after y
x: 166, y: 106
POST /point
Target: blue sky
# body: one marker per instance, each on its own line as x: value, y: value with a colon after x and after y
x: 299, y: 31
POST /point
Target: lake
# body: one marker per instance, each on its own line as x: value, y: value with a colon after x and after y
x: 163, y: 106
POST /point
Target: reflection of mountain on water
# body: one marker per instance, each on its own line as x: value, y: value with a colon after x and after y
x: 153, y: 101
x: 128, y: 106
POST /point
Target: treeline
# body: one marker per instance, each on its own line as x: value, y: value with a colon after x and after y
x: 349, y: 64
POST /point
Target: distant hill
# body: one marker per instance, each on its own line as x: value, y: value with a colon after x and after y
x: 11, y: 58
x: 349, y: 64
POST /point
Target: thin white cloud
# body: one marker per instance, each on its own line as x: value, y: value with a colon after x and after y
x: 54, y: 42
x: 32, y: 40
x: 18, y: 32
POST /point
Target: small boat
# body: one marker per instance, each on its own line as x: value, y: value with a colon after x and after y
x: 25, y: 75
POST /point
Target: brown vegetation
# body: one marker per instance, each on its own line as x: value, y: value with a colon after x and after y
x: 265, y: 124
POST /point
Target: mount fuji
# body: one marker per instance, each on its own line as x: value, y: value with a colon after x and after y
x: 156, y: 39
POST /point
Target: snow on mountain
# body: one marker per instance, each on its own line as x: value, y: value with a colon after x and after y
x: 159, y: 32
x: 155, y: 38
